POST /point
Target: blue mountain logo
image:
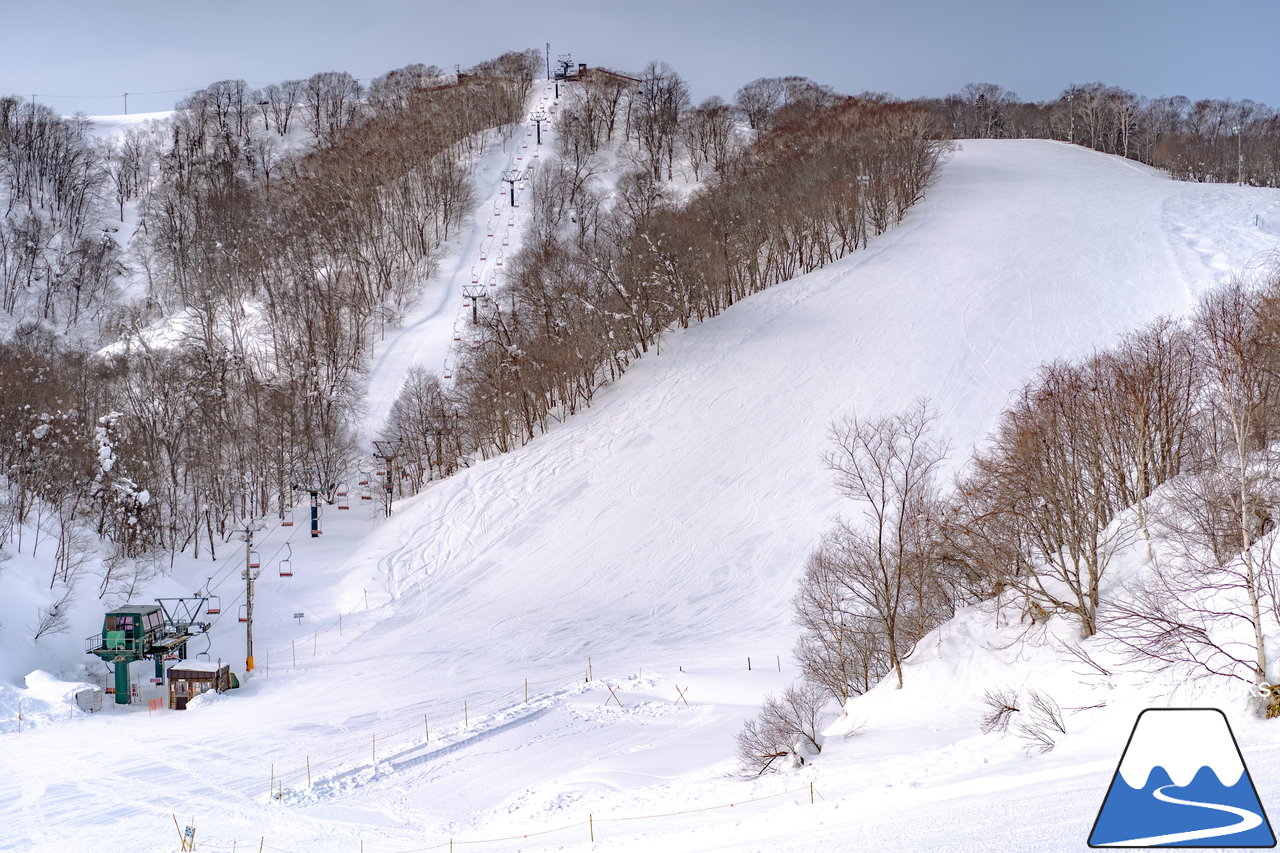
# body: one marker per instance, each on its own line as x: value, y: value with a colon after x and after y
x: 1181, y: 782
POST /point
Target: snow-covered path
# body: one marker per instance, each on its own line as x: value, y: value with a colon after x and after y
x: 490, y: 234
x: 659, y: 535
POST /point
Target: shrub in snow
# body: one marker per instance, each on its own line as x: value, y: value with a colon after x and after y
x: 785, y: 734
x: 1001, y: 704
x: 1039, y: 723
x: 54, y: 618
x: 1041, y: 727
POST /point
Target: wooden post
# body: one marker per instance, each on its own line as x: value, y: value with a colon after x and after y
x: 526, y: 691
x: 591, y: 826
x: 426, y: 728
x: 308, y: 771
x: 181, y: 837
x: 366, y: 607
x: 339, y: 623
x: 748, y: 664
x: 779, y: 663
x: 293, y: 644
x: 261, y: 843
x: 466, y: 720
x: 273, y: 780
x: 375, y: 749
x: 810, y: 793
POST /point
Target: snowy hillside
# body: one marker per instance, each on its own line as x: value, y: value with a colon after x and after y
x: 656, y: 539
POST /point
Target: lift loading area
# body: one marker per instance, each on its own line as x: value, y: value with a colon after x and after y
x: 158, y: 632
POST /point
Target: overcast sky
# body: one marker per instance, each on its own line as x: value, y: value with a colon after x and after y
x: 908, y: 48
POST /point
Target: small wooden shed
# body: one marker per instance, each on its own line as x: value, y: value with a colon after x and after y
x: 189, y: 678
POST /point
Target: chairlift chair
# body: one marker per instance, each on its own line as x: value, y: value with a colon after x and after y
x: 254, y: 560
x: 244, y: 613
x: 344, y: 502
x: 287, y: 521
x: 214, y: 605
x: 286, y: 568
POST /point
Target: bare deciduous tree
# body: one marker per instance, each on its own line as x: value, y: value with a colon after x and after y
x: 881, y: 567
x: 787, y: 728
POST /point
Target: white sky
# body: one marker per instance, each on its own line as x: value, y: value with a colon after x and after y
x: 908, y: 47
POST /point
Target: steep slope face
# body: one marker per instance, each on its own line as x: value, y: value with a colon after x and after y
x: 666, y: 527
x: 672, y: 518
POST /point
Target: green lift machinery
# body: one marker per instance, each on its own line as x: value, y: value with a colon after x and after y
x: 136, y: 632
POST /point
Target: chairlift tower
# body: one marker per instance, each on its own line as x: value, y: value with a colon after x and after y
x: 137, y: 632
x: 387, y: 449
x: 474, y: 292
x: 512, y: 178
x: 313, y: 483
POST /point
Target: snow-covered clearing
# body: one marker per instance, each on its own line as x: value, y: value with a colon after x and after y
x: 656, y: 539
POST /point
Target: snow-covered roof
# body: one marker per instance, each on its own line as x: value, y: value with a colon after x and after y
x: 197, y: 666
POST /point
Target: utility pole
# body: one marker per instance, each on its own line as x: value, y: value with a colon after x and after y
x: 126, y: 103
x: 537, y: 120
x: 548, y: 57
x: 1239, y: 156
x: 250, y: 575
x: 388, y: 449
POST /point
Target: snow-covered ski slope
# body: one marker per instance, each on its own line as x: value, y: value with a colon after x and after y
x: 430, y: 333
x: 660, y: 535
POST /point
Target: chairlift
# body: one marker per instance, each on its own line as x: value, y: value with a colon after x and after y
x: 287, y: 521
x: 344, y: 502
x: 244, y: 613
x: 364, y: 478
x: 214, y: 606
x: 286, y: 564
x: 254, y: 560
